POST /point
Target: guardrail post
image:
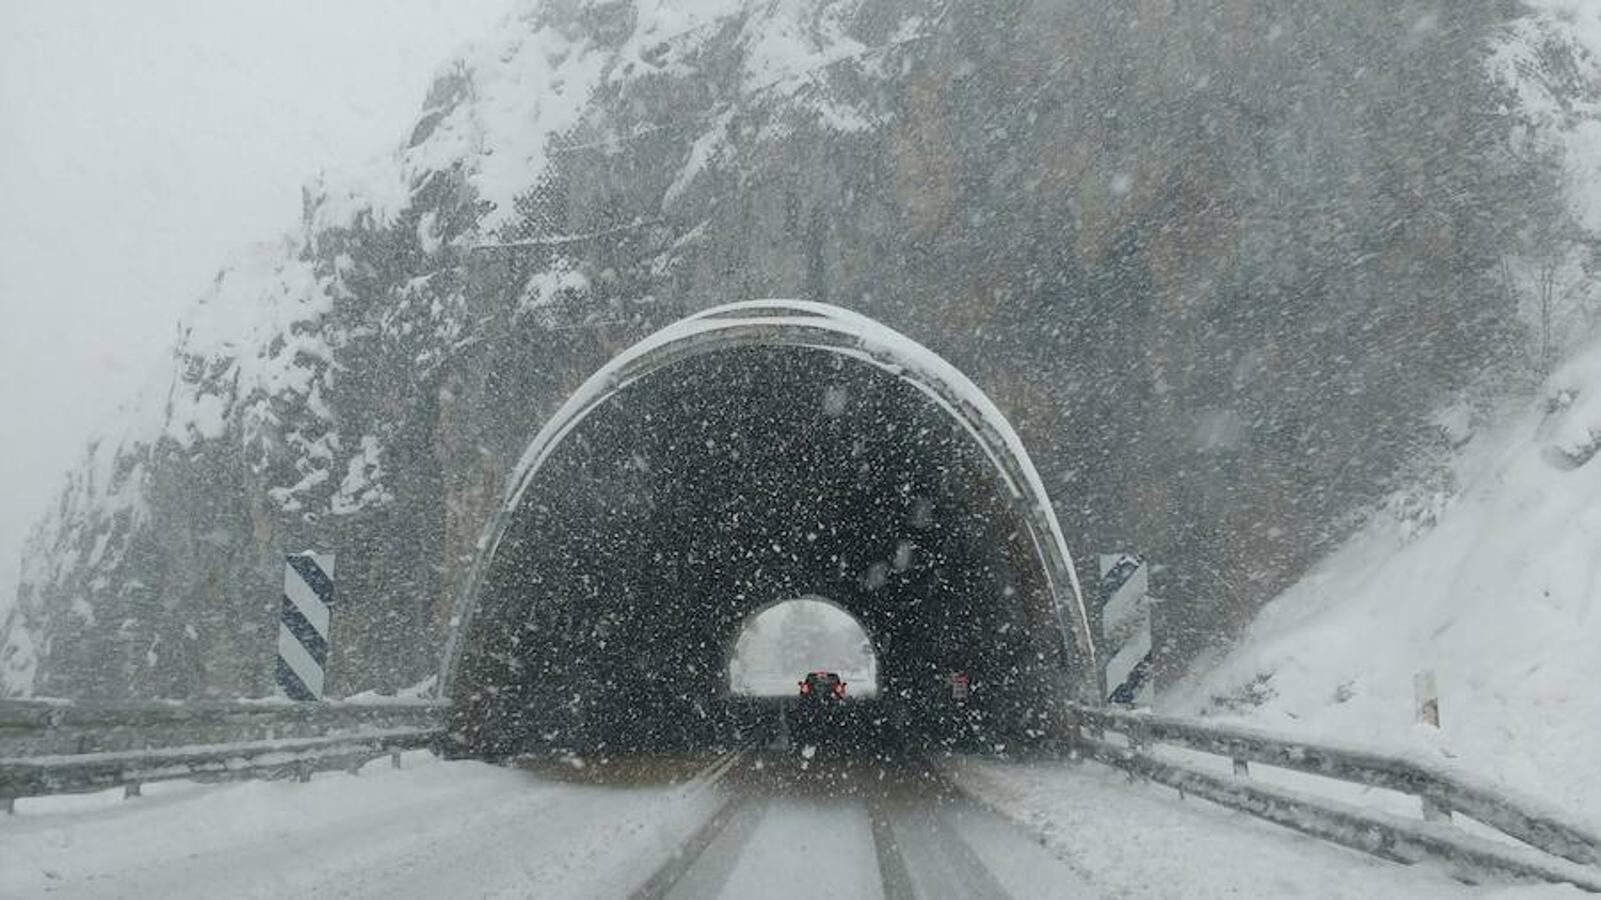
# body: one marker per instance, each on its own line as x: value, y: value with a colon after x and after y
x: 1428, y: 698
x: 1137, y: 740
x: 1428, y: 713
x: 1434, y: 810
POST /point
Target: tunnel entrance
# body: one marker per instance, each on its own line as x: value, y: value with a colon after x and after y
x: 778, y: 645
x: 739, y: 457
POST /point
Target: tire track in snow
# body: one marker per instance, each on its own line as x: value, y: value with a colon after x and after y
x: 921, y: 856
x: 692, y: 855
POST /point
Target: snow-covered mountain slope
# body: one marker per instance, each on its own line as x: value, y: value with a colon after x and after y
x: 1489, y: 577
x: 322, y: 371
x: 1500, y: 598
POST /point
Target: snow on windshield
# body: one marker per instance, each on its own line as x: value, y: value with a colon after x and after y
x: 1126, y: 402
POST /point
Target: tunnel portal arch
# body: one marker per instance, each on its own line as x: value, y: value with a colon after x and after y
x: 808, y: 326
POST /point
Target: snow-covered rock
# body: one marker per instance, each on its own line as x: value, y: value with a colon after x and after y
x: 313, y: 390
x: 1491, y: 576
x: 1501, y: 600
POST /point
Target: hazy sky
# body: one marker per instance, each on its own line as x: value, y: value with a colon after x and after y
x: 142, y: 141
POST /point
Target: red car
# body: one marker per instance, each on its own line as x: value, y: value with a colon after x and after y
x: 822, y: 686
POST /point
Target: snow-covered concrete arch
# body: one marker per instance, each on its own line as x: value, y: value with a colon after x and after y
x: 809, y: 326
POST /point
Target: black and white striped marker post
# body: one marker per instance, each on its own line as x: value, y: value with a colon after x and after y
x: 1126, y: 628
x: 303, y: 624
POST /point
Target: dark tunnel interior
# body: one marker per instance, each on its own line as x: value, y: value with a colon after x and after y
x: 701, y: 494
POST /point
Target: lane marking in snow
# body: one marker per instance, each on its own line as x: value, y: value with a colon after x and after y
x: 661, y: 882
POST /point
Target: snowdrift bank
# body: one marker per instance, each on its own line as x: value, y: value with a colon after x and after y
x: 1501, y: 598
x: 435, y: 829
x: 1139, y: 840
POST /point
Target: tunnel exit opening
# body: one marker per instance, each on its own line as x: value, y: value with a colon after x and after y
x: 777, y: 646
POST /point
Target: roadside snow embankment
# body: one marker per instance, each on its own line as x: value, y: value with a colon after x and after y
x: 1501, y: 599
x: 435, y: 829
x: 1134, y: 839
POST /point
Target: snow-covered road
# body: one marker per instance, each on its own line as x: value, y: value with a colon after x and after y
x: 854, y: 829
x: 765, y: 828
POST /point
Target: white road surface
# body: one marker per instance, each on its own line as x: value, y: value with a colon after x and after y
x: 466, y: 829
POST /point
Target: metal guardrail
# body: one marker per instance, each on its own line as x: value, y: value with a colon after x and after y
x: 1558, y: 849
x: 53, y: 747
x: 36, y: 727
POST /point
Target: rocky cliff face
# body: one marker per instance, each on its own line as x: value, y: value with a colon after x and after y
x: 1219, y: 268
